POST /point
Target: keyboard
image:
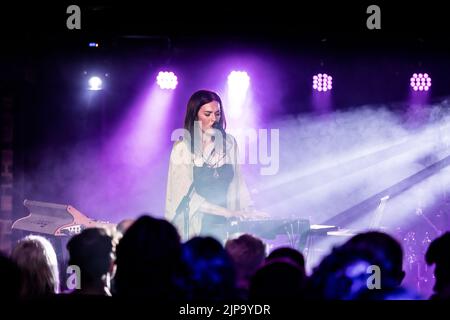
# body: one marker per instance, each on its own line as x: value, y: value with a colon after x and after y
x: 270, y: 228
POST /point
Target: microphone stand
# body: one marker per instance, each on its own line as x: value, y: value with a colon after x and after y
x: 183, y: 208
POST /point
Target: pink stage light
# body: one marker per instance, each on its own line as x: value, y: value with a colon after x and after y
x: 167, y: 80
x: 420, y: 82
x: 322, y: 82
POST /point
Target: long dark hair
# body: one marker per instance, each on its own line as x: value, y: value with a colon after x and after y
x: 196, y: 101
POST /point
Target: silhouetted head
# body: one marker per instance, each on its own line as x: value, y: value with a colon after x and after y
x: 92, y: 251
x: 367, y: 261
x: 36, y: 257
x: 247, y: 253
x: 277, y: 281
x: 341, y: 275
x: 289, y: 254
x: 148, y: 257
x: 10, y: 279
x: 208, y: 270
x: 438, y: 253
x: 386, y: 252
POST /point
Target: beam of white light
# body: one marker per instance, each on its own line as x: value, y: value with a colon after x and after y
x: 238, y: 85
x: 320, y: 192
x: 139, y: 137
x: 401, y: 210
x: 415, y: 145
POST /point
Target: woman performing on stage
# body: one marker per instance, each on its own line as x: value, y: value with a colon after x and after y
x: 205, y: 182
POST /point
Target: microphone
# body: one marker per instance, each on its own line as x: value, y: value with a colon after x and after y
x: 216, y: 125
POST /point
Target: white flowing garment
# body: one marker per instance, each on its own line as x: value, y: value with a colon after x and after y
x: 180, y: 178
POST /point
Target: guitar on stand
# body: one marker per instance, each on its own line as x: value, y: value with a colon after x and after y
x: 58, y: 223
x: 56, y: 219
